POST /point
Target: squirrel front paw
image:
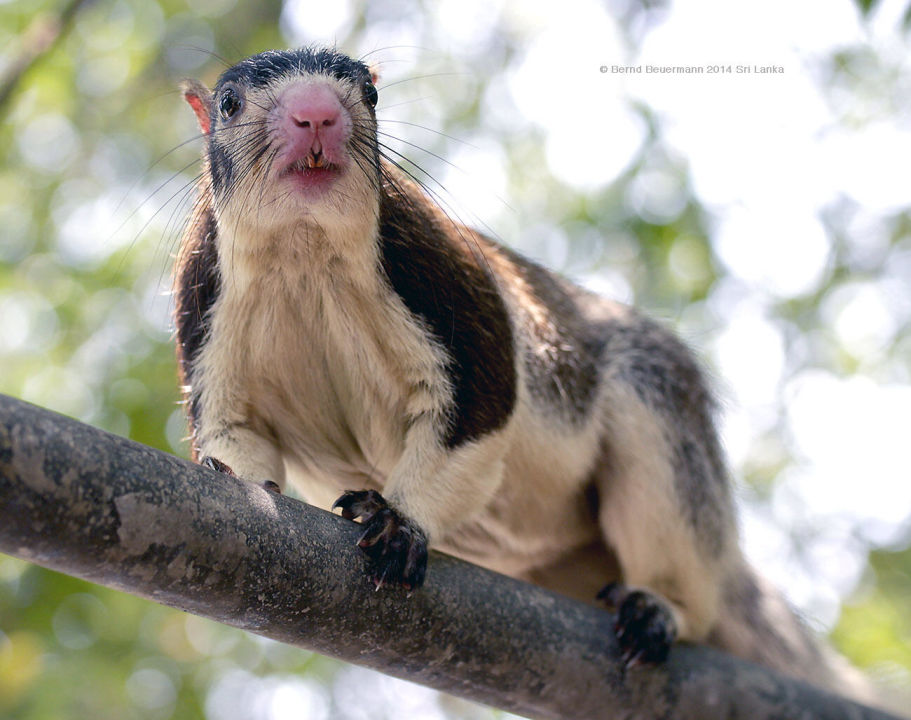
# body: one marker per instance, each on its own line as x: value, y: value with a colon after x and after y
x: 218, y: 466
x: 644, y: 624
x: 396, y: 546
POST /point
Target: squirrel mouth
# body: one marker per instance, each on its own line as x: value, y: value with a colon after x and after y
x: 312, y: 174
x: 311, y: 161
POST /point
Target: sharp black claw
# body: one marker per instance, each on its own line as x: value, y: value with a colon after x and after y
x: 612, y: 594
x: 216, y: 465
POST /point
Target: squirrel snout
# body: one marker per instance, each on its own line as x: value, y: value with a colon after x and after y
x: 312, y: 119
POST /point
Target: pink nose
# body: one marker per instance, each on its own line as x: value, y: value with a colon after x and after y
x: 315, y: 112
x: 312, y: 118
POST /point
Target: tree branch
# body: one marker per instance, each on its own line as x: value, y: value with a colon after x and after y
x: 76, y: 499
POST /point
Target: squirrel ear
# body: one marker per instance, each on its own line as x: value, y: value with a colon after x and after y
x: 374, y: 73
x: 200, y: 99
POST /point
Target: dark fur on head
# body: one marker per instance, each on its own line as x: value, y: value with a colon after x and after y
x: 267, y: 67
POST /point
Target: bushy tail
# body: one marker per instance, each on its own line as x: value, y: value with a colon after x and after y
x: 758, y: 624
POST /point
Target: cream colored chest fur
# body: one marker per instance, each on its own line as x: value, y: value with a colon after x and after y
x: 326, y: 362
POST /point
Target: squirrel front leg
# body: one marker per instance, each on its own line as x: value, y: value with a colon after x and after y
x: 234, y: 447
x: 431, y: 490
x: 225, y: 436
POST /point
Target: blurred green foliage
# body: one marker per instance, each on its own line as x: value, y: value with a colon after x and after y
x: 98, y: 158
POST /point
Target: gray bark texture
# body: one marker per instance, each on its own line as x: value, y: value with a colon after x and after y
x: 90, y: 504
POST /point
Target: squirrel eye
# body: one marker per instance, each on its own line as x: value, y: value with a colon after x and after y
x: 370, y: 94
x: 229, y: 103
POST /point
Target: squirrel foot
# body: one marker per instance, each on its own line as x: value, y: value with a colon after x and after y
x: 644, y: 624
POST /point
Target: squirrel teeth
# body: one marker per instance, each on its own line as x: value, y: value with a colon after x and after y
x: 312, y: 162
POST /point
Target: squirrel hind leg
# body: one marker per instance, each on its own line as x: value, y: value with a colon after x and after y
x: 662, y: 546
